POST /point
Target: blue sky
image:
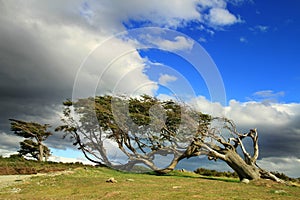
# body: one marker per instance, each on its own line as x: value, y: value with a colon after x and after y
x: 261, y: 53
x: 53, y: 50
x: 267, y: 58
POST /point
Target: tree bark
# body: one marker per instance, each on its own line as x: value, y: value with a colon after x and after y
x: 172, y: 165
x: 244, y: 170
x: 41, y: 151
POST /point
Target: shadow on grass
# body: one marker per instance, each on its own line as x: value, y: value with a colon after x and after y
x: 224, y: 179
x: 194, y: 175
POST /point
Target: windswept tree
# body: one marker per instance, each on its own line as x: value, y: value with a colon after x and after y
x: 32, y: 149
x: 34, y: 135
x: 222, y: 141
x: 142, y: 128
x: 81, y: 126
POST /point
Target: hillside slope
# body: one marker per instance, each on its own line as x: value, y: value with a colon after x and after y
x: 90, y: 183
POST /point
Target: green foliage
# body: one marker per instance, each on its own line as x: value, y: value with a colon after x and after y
x: 16, y: 157
x: 209, y: 172
x: 68, y: 102
x: 16, y: 164
x: 34, y: 135
x: 31, y: 148
x: 30, y: 129
x: 140, y: 126
x: 285, y: 177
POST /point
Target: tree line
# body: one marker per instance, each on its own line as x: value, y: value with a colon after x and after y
x: 143, y: 128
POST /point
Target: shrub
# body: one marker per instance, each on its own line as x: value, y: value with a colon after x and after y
x: 16, y: 157
x: 284, y: 177
x: 209, y: 172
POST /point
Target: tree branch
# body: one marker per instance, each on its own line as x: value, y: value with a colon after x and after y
x: 254, y: 136
x: 246, y: 154
x: 211, y: 151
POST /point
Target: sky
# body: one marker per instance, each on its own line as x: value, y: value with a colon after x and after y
x: 235, y: 58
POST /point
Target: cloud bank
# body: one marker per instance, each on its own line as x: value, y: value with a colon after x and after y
x: 278, y: 127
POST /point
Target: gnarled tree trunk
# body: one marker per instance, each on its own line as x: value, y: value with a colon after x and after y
x: 245, y: 167
x: 172, y: 165
x: 244, y: 170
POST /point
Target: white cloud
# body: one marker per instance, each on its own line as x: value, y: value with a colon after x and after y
x: 156, y: 13
x: 221, y: 17
x: 267, y: 96
x: 268, y: 93
x: 286, y: 165
x: 262, y: 28
x: 278, y: 128
x: 207, y: 30
x: 250, y: 114
x: 202, y: 39
x: 114, y: 66
x: 239, y: 2
x: 259, y: 28
x: 178, y: 43
x: 55, y: 158
x: 212, y: 3
x: 165, y: 97
x: 257, y: 113
x: 10, y: 142
x: 160, y: 12
x: 243, y: 40
x: 7, y: 153
x: 205, y: 106
x: 164, y: 79
x: 216, y: 14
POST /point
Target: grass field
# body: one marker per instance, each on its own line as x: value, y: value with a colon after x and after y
x: 90, y: 183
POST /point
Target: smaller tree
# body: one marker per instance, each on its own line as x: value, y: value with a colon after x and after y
x: 31, y: 148
x: 34, y: 135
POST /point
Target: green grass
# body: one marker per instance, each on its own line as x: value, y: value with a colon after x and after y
x: 90, y: 183
x: 18, y: 165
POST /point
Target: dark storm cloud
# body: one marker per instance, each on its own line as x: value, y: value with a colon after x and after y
x: 34, y: 75
x: 42, y: 45
x: 30, y: 79
x: 276, y: 140
x: 281, y: 143
x: 278, y: 124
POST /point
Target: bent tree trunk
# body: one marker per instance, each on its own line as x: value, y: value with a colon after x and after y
x: 245, y: 166
x: 247, y: 171
x: 244, y: 170
x: 191, y: 151
x: 172, y: 165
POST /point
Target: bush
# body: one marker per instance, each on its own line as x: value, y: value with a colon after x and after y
x: 16, y: 164
x: 282, y: 176
x: 16, y: 157
x: 209, y: 172
x: 285, y: 177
